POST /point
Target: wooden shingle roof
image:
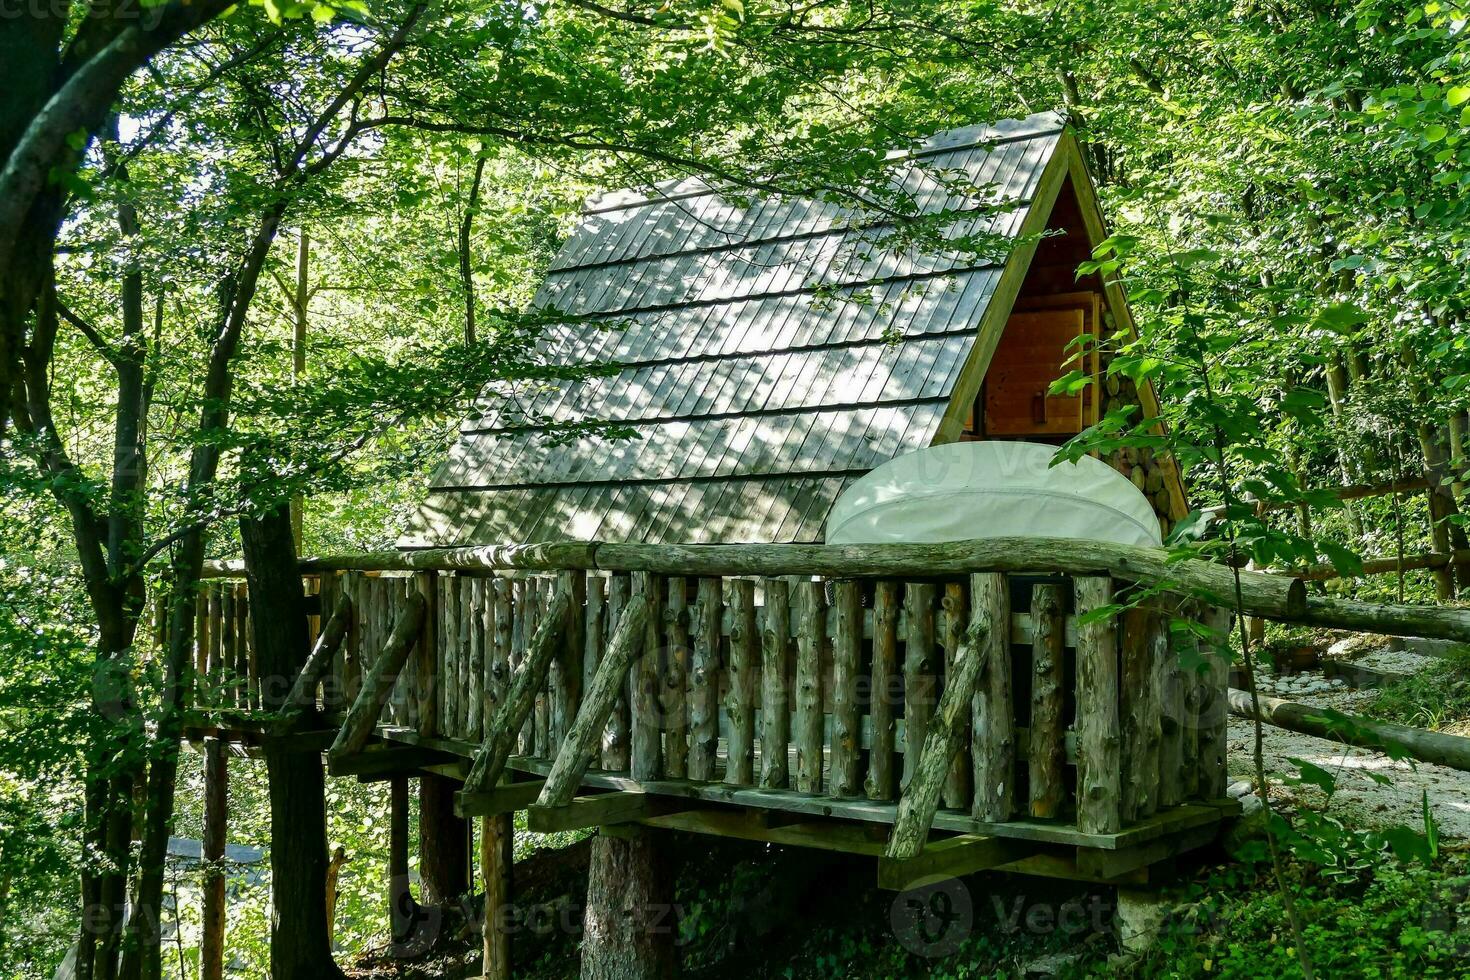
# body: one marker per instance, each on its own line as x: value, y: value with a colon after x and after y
x: 772, y: 352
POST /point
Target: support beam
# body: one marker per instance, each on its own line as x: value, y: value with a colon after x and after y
x: 952, y: 857
x: 302, y: 698
x: 362, y: 717
x: 576, y: 752
x: 505, y: 729
x: 502, y: 799
x: 598, y: 811
x: 920, y: 799
x: 385, y: 760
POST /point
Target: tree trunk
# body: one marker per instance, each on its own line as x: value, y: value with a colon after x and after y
x: 630, y: 926
x: 300, y: 947
x: 444, y: 856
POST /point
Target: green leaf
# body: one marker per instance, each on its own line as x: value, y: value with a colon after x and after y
x: 323, y: 14
x: 1314, y: 775
x: 1342, y: 317
x: 1435, y: 133
x: 1345, y: 561
x: 1457, y: 94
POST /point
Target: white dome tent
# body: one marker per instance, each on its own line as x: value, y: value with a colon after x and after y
x: 991, y: 489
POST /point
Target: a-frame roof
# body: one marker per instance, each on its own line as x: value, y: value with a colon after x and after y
x: 771, y: 351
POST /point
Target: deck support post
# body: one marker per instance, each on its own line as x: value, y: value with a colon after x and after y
x: 402, y: 909
x: 216, y: 817
x: 443, y: 843
x: 497, y: 857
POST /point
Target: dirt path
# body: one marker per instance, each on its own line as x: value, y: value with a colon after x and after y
x: 1359, y: 800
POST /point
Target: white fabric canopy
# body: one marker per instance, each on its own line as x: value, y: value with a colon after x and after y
x: 991, y: 489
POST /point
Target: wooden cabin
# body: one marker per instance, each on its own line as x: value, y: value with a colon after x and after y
x: 773, y: 351
x: 647, y: 630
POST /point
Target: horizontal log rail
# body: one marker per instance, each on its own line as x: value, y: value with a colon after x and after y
x: 1426, y: 746
x: 1356, y: 491
x: 1264, y: 594
x: 1387, y: 565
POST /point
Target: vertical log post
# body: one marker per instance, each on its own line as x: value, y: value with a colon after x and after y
x: 740, y: 702
x: 566, y: 666
x: 1215, y: 708
x: 847, y: 661
x: 775, y: 695
x: 425, y: 703
x: 704, y: 681
x: 615, y: 733
x: 887, y: 688
x: 497, y: 861
x: 1098, y: 740
x: 473, y: 596
x: 994, y: 739
x: 594, y: 628
x: 451, y: 652
x: 1047, y: 753
x: 216, y: 817
x: 647, y: 762
x: 919, y: 684
x: 675, y: 681
x: 1141, y: 729
x: 1171, y: 713
x: 811, y: 636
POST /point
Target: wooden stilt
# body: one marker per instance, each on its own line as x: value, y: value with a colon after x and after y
x: 497, y: 856
x: 216, y: 816
x: 401, y: 906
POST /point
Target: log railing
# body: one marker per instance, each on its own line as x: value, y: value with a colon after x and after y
x: 1079, y: 704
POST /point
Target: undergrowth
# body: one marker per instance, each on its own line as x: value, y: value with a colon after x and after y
x: 1398, y: 920
x: 1435, y: 698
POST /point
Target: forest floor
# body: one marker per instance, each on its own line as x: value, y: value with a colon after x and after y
x: 1360, y: 799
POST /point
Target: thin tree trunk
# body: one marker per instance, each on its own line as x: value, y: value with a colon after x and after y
x: 466, y: 272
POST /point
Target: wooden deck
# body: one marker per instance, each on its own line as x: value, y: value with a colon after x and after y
x: 1035, y: 723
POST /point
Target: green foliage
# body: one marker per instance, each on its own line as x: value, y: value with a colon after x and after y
x: 1400, y: 921
x: 1433, y: 698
